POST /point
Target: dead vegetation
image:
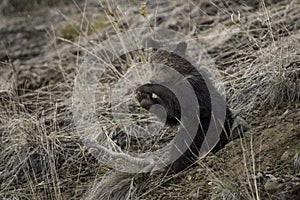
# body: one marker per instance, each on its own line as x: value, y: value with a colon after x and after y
x: 256, y: 47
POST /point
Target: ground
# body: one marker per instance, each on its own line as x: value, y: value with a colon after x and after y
x: 255, y: 46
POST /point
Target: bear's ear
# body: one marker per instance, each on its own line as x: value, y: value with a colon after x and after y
x: 152, y: 43
x: 181, y: 48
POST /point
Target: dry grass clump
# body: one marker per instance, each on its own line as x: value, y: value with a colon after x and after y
x: 227, y: 191
x: 270, y: 81
x: 42, y: 155
x: 262, y: 70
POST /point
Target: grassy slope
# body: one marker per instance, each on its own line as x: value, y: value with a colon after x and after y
x: 42, y: 156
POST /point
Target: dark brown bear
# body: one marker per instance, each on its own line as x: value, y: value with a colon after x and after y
x: 166, y: 98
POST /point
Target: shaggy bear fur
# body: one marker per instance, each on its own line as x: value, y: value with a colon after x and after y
x: 154, y: 93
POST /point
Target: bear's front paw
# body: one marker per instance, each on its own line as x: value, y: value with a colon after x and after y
x: 145, y: 99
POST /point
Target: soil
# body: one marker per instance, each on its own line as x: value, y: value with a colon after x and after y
x: 266, y: 153
x: 37, y: 71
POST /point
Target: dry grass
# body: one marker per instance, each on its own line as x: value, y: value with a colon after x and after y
x: 41, y: 151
